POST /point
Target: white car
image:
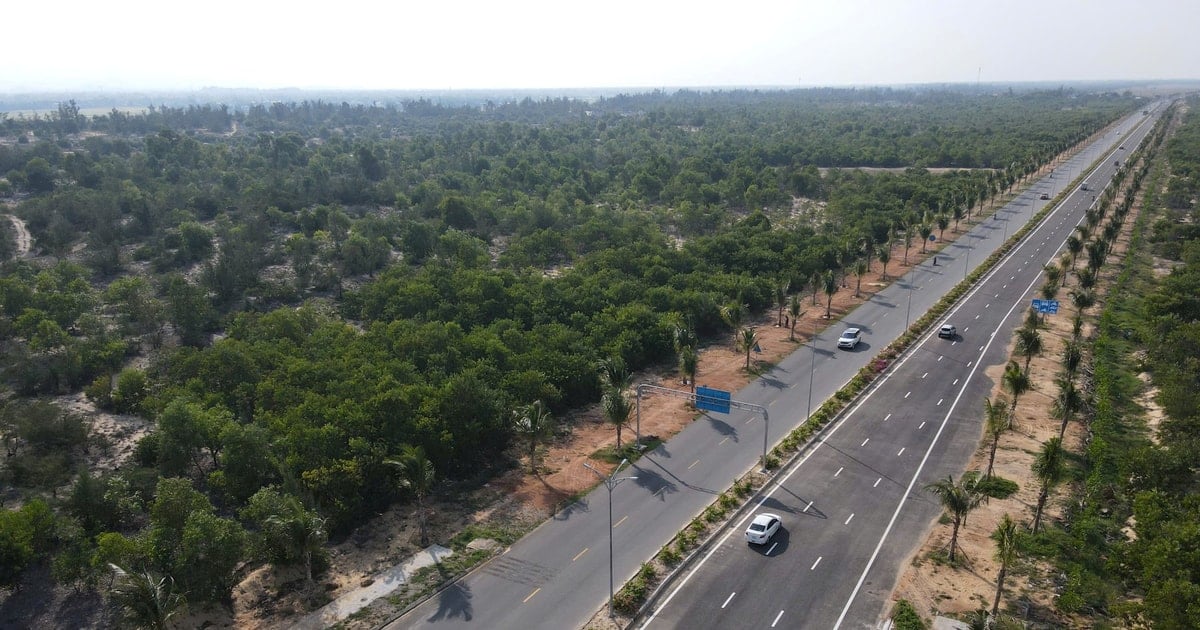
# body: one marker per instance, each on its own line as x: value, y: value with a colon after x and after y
x: 850, y: 338
x: 762, y: 529
x: 948, y: 331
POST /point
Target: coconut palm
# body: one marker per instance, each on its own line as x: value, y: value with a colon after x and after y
x: 1029, y: 344
x: 942, y: 222
x: 997, y: 422
x: 1067, y: 403
x: 1053, y: 273
x: 616, y: 410
x: 1005, y: 536
x: 781, y: 299
x: 147, y: 600
x: 1048, y: 468
x: 925, y: 230
x: 1083, y: 299
x: 860, y: 270
x: 794, y: 314
x: 829, y: 285
x: 908, y: 239
x: 817, y: 281
x: 1016, y: 382
x: 613, y: 373
x: 416, y: 476
x: 958, y: 499
x: 1072, y: 357
x: 305, y: 535
x: 689, y: 364
x: 747, y: 341
x: 884, y: 254
x: 1074, y: 247
x: 733, y: 314
x: 535, y: 424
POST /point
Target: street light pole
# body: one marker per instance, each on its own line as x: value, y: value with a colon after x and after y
x: 610, y: 482
x: 813, y: 343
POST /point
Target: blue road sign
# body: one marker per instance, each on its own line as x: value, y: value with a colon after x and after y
x: 711, y: 399
x: 1049, y: 307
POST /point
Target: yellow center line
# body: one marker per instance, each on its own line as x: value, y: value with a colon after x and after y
x: 618, y: 523
x: 693, y: 464
x: 535, y: 592
x: 585, y: 550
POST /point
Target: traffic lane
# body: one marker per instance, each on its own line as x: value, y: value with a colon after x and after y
x: 828, y: 537
x: 844, y: 482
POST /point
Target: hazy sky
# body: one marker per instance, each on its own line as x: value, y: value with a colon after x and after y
x: 440, y: 44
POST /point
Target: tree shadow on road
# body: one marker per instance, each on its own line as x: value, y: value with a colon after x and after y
x: 453, y: 602
x: 722, y: 427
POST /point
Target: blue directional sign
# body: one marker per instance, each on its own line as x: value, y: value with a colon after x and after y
x: 711, y: 399
x: 1050, y: 307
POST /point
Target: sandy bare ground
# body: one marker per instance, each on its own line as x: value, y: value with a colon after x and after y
x: 935, y: 588
x: 24, y: 241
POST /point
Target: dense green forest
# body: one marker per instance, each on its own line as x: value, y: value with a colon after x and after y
x: 313, y: 300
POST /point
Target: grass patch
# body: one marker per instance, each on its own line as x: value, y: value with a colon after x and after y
x: 613, y: 455
x: 997, y: 487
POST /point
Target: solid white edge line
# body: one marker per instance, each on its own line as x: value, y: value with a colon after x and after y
x: 924, y: 459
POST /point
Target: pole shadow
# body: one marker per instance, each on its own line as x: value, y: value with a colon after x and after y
x: 654, y: 483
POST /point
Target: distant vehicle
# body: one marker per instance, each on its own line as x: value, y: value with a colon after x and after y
x: 948, y: 331
x: 1084, y: 186
x: 1045, y: 196
x: 850, y: 338
x: 762, y: 529
x: 1117, y: 163
x: 1121, y: 148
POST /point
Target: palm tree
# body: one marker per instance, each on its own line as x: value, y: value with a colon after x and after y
x: 830, y: 287
x: 781, y: 299
x: 997, y: 423
x: 1029, y: 343
x: 1067, y: 403
x: 958, y: 215
x: 867, y: 247
x: 1053, y: 273
x: 908, y: 237
x: 689, y: 364
x: 535, y: 424
x: 417, y: 476
x: 884, y: 255
x: 148, y: 601
x: 1016, y: 382
x: 747, y: 341
x: 613, y: 373
x: 1006, y: 551
x: 942, y: 222
x: 616, y: 410
x: 1049, y: 291
x: 733, y: 314
x: 794, y: 314
x: 1072, y: 357
x: 1048, y: 468
x: 958, y: 499
x: 816, y: 281
x: 1082, y: 299
x: 926, y: 230
x: 1074, y: 246
x: 860, y: 270
x: 306, y: 536
x: 682, y: 334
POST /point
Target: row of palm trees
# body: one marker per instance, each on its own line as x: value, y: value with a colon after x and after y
x: 959, y: 498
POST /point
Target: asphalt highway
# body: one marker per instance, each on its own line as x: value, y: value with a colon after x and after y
x: 558, y: 575
x: 854, y: 508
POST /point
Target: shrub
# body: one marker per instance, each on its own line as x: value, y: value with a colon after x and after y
x: 905, y: 617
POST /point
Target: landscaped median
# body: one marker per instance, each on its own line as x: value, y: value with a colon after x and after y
x: 654, y: 579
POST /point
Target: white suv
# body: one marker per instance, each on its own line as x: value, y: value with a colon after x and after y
x: 850, y: 338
